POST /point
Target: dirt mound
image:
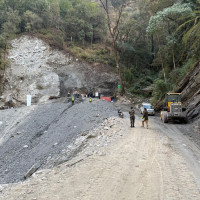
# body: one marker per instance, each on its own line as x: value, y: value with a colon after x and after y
x: 43, y: 135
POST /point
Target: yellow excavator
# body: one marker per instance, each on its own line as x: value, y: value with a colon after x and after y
x: 173, y: 109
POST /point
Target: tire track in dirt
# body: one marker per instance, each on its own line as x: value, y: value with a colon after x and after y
x: 142, y: 164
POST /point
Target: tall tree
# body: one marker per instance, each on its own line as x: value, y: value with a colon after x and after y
x: 114, y: 29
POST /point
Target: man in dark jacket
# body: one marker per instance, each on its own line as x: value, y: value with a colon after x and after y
x: 145, y: 117
x: 132, y: 117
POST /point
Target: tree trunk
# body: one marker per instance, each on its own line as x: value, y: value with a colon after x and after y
x: 4, y: 70
x: 118, y: 69
x: 162, y: 64
x: 152, y: 47
x: 163, y: 68
x: 173, y: 56
x: 92, y: 40
x: 114, y: 33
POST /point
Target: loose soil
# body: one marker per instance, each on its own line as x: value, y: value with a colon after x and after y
x: 121, y: 163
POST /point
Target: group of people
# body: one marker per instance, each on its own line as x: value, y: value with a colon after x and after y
x: 144, y: 117
x: 73, y: 99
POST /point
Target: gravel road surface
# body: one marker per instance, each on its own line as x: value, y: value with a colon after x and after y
x: 119, y: 163
x: 35, y: 135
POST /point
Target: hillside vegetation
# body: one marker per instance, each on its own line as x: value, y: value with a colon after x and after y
x: 158, y: 41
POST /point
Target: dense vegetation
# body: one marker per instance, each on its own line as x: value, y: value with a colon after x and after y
x: 158, y: 41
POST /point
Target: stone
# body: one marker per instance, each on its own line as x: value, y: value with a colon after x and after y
x: 10, y: 101
x: 84, y: 133
x: 1, y: 188
x: 55, y: 144
x: 93, y: 135
x: 106, y: 128
x: 32, y: 170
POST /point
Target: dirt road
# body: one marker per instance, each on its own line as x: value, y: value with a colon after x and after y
x: 120, y: 163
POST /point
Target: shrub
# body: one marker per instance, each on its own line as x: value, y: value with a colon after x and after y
x: 4, y: 64
x: 178, y: 74
x: 160, y: 89
x: 40, y: 87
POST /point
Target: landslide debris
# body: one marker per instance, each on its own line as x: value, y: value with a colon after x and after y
x: 38, y: 70
x: 45, y: 135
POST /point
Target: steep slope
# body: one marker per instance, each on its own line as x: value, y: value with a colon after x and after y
x: 190, y: 89
x: 40, y: 71
x: 46, y: 135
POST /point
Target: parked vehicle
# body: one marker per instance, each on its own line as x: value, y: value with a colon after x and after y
x: 149, y: 108
x: 173, y: 109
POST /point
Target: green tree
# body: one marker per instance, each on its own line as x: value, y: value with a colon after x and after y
x: 32, y: 21
x: 114, y: 32
x: 11, y: 26
x: 190, y: 29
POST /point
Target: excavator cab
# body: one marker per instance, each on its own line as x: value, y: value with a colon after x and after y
x: 173, y: 108
x: 172, y: 98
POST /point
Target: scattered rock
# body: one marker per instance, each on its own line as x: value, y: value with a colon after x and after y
x: 102, y: 154
x: 106, y: 128
x: 1, y: 188
x: 25, y: 146
x: 10, y: 101
x: 55, y: 144
x: 84, y: 133
x: 93, y: 135
x: 33, y: 169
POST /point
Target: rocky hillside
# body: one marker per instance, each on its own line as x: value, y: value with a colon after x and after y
x: 190, y: 89
x: 43, y: 136
x: 40, y: 71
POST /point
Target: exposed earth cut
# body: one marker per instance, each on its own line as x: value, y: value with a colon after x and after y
x: 190, y: 89
x: 44, y: 134
x: 37, y: 70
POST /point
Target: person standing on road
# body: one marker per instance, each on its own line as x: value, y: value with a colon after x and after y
x: 145, y: 117
x: 72, y: 99
x: 132, y: 117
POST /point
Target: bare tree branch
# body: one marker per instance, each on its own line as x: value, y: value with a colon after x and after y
x: 114, y: 32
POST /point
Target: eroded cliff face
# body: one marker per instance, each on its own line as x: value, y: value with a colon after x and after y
x: 37, y: 70
x: 190, y: 89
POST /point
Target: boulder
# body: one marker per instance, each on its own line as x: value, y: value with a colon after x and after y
x: 10, y: 101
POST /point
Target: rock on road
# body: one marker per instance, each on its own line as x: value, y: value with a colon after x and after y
x: 121, y: 163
